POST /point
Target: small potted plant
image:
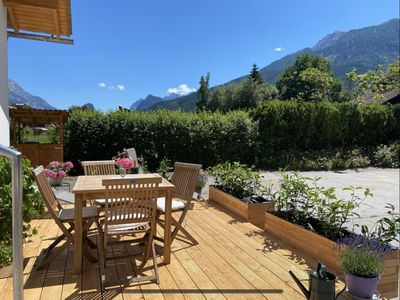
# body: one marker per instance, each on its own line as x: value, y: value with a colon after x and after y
x: 56, y: 172
x: 361, y: 258
x: 123, y: 165
x: 200, y: 183
x: 134, y: 169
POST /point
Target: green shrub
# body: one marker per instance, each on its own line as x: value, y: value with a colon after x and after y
x: 288, y: 134
x: 302, y: 201
x: 206, y: 138
x: 32, y: 205
x: 387, y: 156
x: 304, y: 126
x: 239, y: 180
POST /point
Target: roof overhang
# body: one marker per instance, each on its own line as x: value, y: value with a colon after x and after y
x: 45, y: 20
x: 32, y: 116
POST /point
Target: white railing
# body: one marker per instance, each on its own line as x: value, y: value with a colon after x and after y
x: 17, y: 184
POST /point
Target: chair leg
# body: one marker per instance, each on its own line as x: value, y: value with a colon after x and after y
x: 51, y: 256
x: 153, y: 249
x: 57, y: 241
x: 102, y: 259
x: 179, y: 227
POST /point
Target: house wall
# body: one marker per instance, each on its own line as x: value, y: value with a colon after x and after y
x: 4, y: 117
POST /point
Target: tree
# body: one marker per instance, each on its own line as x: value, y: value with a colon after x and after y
x: 203, y: 93
x: 309, y: 78
x: 255, y: 75
x: 377, y: 82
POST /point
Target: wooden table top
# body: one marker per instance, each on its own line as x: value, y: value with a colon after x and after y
x: 90, y: 184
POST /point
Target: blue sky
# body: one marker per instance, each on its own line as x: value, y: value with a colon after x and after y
x: 126, y: 49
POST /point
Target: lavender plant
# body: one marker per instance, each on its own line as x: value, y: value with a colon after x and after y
x: 361, y: 255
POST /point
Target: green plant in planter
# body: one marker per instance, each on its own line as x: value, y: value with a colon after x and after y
x: 239, y: 180
x: 386, y: 229
x: 302, y: 201
x: 361, y: 258
x: 32, y: 206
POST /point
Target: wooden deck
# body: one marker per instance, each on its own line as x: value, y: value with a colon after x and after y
x: 232, y: 260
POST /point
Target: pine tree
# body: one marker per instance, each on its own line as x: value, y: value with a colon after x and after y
x: 255, y: 75
x: 203, y: 93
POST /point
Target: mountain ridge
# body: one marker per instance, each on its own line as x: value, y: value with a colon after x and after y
x: 17, y: 95
x: 362, y: 48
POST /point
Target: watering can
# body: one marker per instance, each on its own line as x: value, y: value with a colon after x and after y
x: 321, y: 284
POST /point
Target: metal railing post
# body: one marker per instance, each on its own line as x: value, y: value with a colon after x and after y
x: 17, y: 233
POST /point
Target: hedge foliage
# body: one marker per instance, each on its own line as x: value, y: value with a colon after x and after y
x: 307, y: 126
x: 206, y: 138
x: 260, y: 136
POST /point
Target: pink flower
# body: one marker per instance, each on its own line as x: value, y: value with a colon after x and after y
x: 50, y: 173
x: 125, y: 163
x: 69, y: 164
x: 55, y: 164
x: 61, y: 174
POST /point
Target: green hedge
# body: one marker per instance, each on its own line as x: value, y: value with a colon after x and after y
x: 262, y: 136
x: 303, y: 126
x: 206, y: 138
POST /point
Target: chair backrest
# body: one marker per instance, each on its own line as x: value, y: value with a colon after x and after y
x: 132, y: 154
x: 131, y: 200
x: 99, y: 167
x: 48, y: 196
x: 184, y: 179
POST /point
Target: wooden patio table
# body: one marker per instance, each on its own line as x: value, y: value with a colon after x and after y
x: 90, y: 188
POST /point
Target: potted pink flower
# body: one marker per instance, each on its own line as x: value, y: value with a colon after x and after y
x: 56, y: 172
x: 123, y: 164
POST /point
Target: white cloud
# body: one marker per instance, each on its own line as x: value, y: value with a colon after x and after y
x: 182, y: 89
x: 279, y: 49
x: 120, y: 87
x: 111, y: 87
x: 102, y: 84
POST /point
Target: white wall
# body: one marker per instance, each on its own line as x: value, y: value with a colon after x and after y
x: 4, y: 120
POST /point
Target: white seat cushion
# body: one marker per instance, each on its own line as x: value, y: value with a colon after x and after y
x: 69, y: 213
x: 127, y: 227
x: 176, y: 205
x: 100, y: 202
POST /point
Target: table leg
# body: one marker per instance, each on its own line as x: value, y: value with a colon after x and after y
x: 167, y: 228
x: 78, y: 234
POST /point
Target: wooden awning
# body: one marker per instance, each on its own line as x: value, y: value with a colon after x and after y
x: 41, y: 116
x: 51, y: 17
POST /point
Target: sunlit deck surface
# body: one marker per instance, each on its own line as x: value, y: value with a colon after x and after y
x: 232, y: 260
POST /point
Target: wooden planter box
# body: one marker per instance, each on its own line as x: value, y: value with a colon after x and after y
x: 253, y: 213
x: 322, y: 249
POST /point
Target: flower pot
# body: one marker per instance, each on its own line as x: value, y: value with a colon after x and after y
x: 198, y: 190
x: 55, y: 181
x: 361, y: 286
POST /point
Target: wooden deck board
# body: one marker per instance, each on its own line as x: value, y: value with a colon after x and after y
x: 232, y: 260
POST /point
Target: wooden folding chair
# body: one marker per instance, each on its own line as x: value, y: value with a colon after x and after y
x: 63, y: 217
x: 184, y: 179
x: 99, y: 167
x: 130, y: 210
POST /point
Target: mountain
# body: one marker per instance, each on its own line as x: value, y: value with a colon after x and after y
x: 88, y: 106
x: 143, y: 104
x: 328, y: 40
x: 185, y: 103
x: 150, y: 101
x: 362, y: 49
x: 17, y: 95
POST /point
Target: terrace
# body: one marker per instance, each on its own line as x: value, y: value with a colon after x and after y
x: 233, y: 259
